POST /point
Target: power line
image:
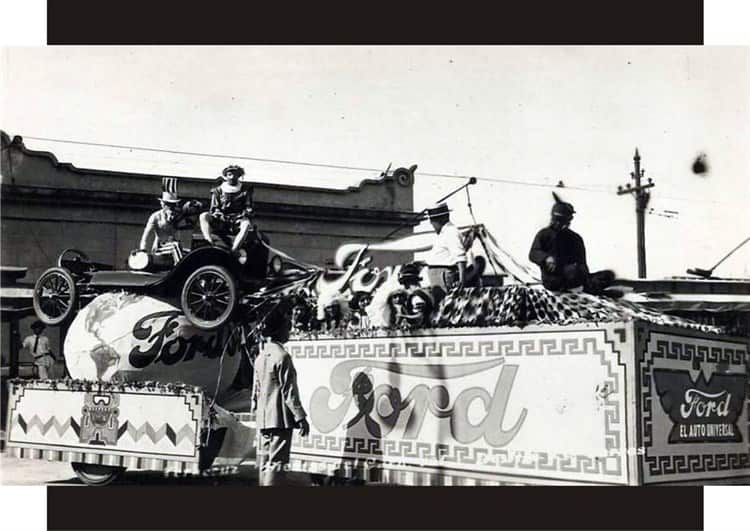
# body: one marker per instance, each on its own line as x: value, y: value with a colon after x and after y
x: 340, y: 167
x: 199, y: 154
x: 301, y: 163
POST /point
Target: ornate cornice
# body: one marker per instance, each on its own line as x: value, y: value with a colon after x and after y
x: 59, y: 197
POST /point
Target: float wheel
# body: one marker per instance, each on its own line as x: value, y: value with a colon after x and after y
x: 55, y: 296
x: 209, y: 297
x: 97, y: 475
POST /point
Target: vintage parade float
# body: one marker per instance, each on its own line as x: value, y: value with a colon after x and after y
x: 501, y: 383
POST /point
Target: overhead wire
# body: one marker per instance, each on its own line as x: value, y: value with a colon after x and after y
x: 300, y: 163
x: 347, y: 167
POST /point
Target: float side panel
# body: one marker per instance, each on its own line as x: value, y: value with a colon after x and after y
x: 54, y: 422
x: 546, y: 404
x: 694, y: 405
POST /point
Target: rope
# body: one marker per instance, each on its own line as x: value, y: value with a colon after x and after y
x: 481, y: 240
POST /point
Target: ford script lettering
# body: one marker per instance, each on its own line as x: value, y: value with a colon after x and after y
x: 383, y: 405
x: 703, y: 404
x: 163, y: 344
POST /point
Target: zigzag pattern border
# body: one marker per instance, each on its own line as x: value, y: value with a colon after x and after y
x: 43, y: 427
x: 696, y: 354
x: 157, y: 435
x: 135, y: 433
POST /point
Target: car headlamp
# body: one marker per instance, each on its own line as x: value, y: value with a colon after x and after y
x: 139, y: 260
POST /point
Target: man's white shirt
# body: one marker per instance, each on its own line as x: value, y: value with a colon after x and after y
x: 42, y: 349
x: 448, y: 249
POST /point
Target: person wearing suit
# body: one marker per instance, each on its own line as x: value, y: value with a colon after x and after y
x: 276, y: 401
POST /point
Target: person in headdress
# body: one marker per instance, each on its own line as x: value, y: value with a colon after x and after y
x: 38, y: 346
x: 560, y: 254
x: 231, y: 210
x: 164, y: 224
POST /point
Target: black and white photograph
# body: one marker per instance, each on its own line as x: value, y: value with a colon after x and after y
x: 353, y: 266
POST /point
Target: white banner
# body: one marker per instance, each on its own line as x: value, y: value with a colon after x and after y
x: 543, y: 403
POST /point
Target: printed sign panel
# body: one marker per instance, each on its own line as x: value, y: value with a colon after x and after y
x: 547, y: 404
x: 147, y: 424
x: 694, y: 402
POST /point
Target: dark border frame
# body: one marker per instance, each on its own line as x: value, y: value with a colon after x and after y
x: 223, y: 22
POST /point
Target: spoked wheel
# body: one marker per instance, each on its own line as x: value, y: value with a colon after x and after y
x: 209, y: 297
x: 97, y: 475
x: 55, y: 296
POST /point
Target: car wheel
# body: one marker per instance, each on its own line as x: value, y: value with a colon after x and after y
x: 97, y: 475
x: 209, y: 297
x: 55, y: 296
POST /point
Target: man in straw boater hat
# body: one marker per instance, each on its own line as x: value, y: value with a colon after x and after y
x: 164, y: 224
x: 561, y: 255
x: 448, y: 254
x: 231, y: 210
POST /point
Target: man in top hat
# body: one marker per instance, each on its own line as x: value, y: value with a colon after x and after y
x: 164, y: 224
x: 38, y: 346
x: 448, y: 252
x: 561, y: 254
x: 231, y: 209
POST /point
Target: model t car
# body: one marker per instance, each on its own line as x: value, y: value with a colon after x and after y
x: 209, y: 283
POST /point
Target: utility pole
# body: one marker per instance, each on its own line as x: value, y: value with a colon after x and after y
x: 642, y: 196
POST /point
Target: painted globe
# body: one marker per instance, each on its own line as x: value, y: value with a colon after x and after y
x: 130, y: 337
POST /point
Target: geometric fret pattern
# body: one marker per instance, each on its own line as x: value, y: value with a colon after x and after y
x: 678, y: 349
x: 575, y: 343
x: 450, y: 454
x: 689, y: 464
x: 450, y: 347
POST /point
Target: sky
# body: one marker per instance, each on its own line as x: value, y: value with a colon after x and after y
x: 520, y: 119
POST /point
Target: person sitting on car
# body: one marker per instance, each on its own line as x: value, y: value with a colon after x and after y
x: 231, y: 210
x: 164, y: 224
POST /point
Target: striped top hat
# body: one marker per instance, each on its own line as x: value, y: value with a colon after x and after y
x: 169, y: 190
